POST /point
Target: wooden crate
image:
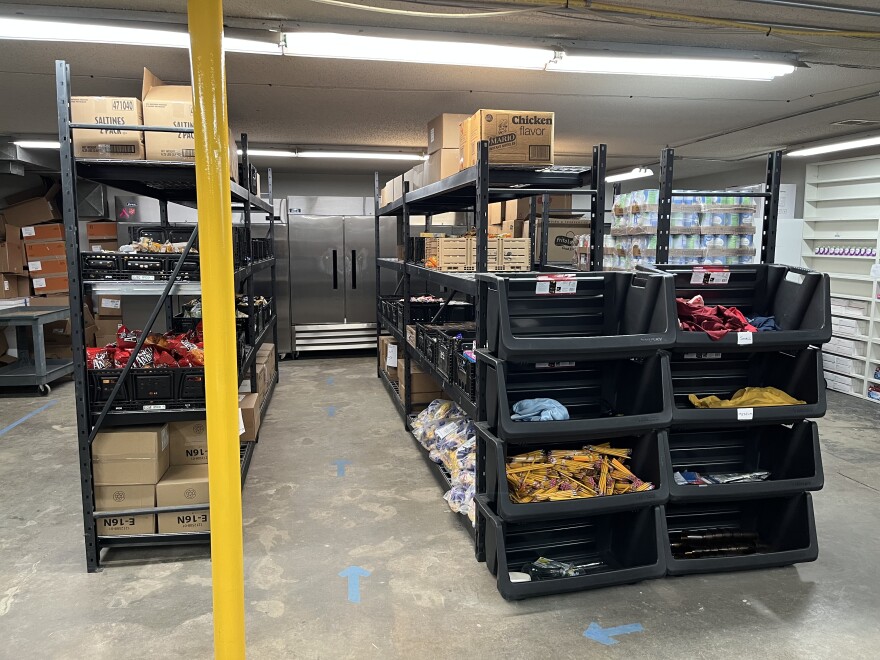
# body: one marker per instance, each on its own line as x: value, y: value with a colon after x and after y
x: 460, y: 254
x: 452, y: 254
x: 509, y: 254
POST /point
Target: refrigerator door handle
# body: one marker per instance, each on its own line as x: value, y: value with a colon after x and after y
x: 354, y: 284
x: 335, y: 272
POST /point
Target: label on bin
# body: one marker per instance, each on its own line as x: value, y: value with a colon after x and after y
x: 391, y: 360
x: 744, y: 338
x: 35, y: 265
x: 143, y: 278
x: 709, y: 275
x: 702, y: 356
x: 553, y: 365
x: 158, y: 406
x: 557, y: 283
x: 745, y: 414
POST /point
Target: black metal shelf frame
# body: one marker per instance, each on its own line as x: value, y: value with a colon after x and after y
x: 474, y: 189
x: 168, y: 182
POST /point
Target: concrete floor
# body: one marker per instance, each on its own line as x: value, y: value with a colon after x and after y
x: 426, y: 596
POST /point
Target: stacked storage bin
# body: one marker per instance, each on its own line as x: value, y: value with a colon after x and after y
x: 593, y: 342
x: 728, y: 526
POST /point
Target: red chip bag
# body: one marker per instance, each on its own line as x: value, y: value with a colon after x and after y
x: 126, y: 338
x: 97, y: 358
x: 198, y: 335
x: 145, y: 358
x: 163, y: 359
x: 184, y: 363
x: 120, y: 358
x: 196, y: 356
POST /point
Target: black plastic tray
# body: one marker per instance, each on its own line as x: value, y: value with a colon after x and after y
x: 799, y: 299
x: 648, y: 462
x: 797, y: 373
x: 784, y: 524
x: 465, y: 376
x: 790, y: 453
x: 638, y: 391
x: 149, y: 389
x: 608, y: 315
x: 627, y: 543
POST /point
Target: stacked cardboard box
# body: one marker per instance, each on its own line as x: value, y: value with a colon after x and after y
x: 107, y: 143
x: 388, y: 356
x: 102, y: 236
x: 182, y: 485
x: 28, y: 215
x: 516, y: 137
x: 108, y: 318
x: 127, y: 463
x: 424, y: 388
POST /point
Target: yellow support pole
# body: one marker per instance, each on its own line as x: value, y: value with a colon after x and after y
x: 218, y: 315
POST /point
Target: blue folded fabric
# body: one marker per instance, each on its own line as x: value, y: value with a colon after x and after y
x: 765, y: 323
x: 539, y: 410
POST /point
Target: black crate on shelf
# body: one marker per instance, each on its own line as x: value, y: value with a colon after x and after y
x: 603, y: 398
x: 465, y: 376
x: 149, y: 389
x: 423, y: 312
x: 789, y: 453
x: 798, y: 298
x: 625, y: 547
x: 426, y: 338
x: 544, y: 315
x: 649, y: 462
x: 784, y: 527
x: 100, y: 266
x: 449, y: 343
x: 797, y: 373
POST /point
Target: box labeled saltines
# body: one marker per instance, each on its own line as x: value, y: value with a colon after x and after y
x: 515, y: 137
x: 109, y: 143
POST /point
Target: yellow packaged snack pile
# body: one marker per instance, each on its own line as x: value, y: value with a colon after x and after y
x: 567, y: 474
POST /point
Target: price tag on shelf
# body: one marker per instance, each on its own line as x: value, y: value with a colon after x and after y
x: 745, y: 414
x: 710, y: 275
x: 556, y: 283
x: 744, y: 338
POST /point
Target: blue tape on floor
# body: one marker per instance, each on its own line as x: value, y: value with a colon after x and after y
x: 340, y: 466
x: 354, y: 575
x: 606, y: 635
x: 330, y: 380
x: 331, y: 411
x: 51, y: 403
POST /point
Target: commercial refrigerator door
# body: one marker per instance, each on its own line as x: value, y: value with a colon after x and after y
x: 360, y: 264
x: 317, y: 256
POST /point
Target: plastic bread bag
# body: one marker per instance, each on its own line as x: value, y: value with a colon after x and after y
x: 448, y: 435
x: 437, y: 409
x: 434, y: 431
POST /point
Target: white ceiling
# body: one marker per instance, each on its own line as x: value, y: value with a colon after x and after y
x: 311, y: 102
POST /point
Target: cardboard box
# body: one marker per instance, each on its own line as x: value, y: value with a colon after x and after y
x: 495, y: 213
x: 387, y: 355
x: 101, y: 230
x: 2, y: 227
x: 189, y: 442
x: 103, y: 245
x: 424, y: 388
x: 50, y: 284
x: 107, y: 325
x: 561, y: 239
x: 397, y: 187
x: 440, y: 164
x: 13, y: 286
x: 53, y: 231
x: 266, y: 349
x: 249, y: 405
x: 11, y: 254
x: 168, y: 105
x: 560, y: 206
x: 34, y: 211
x: 512, y: 227
x: 515, y: 137
x: 262, y: 380
x: 130, y: 455
x: 125, y: 497
x: 443, y: 131
x: 104, y: 340
x: 182, y: 485
x: 107, y: 143
x: 46, y: 258
x: 385, y: 195
x: 107, y: 305
x: 415, y: 176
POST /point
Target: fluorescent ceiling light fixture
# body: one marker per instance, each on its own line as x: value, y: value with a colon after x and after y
x: 352, y: 155
x: 636, y: 173
x: 671, y: 66
x: 35, y: 30
x: 837, y: 146
x: 37, y: 144
x: 362, y: 155
x: 388, y: 49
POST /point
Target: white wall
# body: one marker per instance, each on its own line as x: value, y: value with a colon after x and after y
x: 286, y: 184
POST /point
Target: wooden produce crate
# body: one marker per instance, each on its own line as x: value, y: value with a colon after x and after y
x: 452, y: 254
x: 509, y: 254
x: 460, y: 254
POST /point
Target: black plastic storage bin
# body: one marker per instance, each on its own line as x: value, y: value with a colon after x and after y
x: 648, y: 462
x: 598, y: 315
x: 448, y: 345
x: 465, y: 376
x: 789, y: 453
x: 604, y: 398
x: 149, y: 389
x: 797, y: 297
x: 798, y: 373
x: 627, y: 545
x: 785, y: 527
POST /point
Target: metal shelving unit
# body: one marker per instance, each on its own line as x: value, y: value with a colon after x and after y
x: 168, y: 182
x: 473, y: 189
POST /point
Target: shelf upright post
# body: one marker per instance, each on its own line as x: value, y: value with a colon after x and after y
x: 545, y: 229
x: 272, y: 272
x: 247, y: 257
x: 533, y: 216
x: 77, y: 323
x: 481, y: 220
x: 376, y: 200
x: 211, y: 123
x: 407, y: 294
x: 771, y: 207
x: 597, y: 207
x: 664, y: 212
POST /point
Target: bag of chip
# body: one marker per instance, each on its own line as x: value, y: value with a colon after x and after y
x: 97, y: 358
x: 126, y: 338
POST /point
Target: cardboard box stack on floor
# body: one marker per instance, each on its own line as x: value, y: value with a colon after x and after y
x: 32, y: 219
x: 388, y: 356
x: 186, y: 481
x: 127, y: 464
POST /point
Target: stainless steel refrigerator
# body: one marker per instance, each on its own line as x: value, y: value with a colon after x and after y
x: 332, y: 272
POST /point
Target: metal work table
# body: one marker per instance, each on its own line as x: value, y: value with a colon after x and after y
x: 33, y: 370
